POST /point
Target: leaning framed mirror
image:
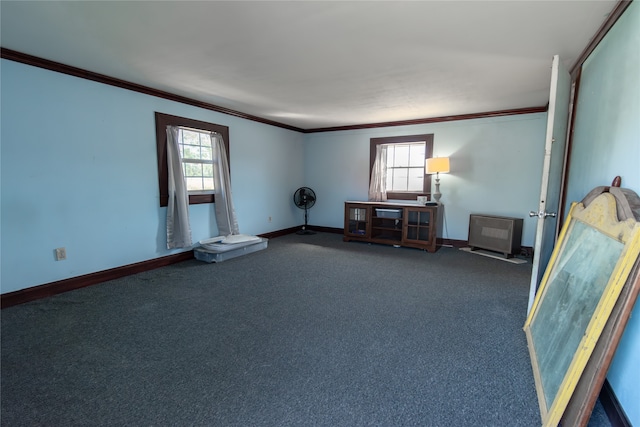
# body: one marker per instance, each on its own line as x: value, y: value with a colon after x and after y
x: 588, y: 268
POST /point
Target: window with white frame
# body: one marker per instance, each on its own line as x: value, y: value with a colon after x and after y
x: 197, y: 160
x: 405, y: 163
x: 405, y: 167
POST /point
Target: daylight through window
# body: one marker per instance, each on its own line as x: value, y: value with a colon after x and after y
x: 405, y: 167
x: 197, y: 160
x: 196, y: 154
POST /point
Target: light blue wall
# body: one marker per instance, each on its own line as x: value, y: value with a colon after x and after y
x: 496, y: 166
x: 79, y: 170
x: 607, y: 143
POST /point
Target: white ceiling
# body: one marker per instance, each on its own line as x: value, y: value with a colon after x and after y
x: 315, y: 64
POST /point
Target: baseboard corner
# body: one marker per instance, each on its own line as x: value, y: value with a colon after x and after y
x: 612, y: 407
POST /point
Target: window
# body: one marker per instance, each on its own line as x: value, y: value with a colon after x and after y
x: 197, y: 160
x: 406, y: 157
x: 405, y: 166
x: 197, y: 163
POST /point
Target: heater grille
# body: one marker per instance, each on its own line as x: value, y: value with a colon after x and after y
x: 495, y: 233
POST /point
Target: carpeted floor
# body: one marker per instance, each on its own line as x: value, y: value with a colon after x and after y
x: 310, y: 332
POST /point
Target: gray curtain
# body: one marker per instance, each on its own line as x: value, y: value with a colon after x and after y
x: 225, y: 212
x: 378, y: 182
x: 178, y: 227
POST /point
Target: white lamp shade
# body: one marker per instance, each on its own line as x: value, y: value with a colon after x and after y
x: 437, y: 165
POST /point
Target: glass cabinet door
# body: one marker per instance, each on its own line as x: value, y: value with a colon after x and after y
x: 419, y: 225
x: 357, y: 220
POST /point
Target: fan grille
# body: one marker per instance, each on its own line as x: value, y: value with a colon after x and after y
x: 304, y: 198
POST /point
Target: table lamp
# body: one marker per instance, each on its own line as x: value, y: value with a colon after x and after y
x: 437, y: 165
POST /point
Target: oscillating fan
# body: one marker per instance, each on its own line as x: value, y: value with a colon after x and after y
x: 304, y: 198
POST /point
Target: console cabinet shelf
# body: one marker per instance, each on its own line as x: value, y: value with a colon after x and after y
x: 410, y: 225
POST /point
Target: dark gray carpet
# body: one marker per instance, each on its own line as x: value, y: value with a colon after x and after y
x: 311, y: 331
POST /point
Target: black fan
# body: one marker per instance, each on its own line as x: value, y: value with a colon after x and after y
x: 304, y: 198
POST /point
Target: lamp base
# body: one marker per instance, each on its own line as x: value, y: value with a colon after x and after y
x: 437, y: 194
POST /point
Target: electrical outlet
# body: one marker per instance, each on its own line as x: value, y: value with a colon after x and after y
x: 61, y: 253
x: 269, y: 219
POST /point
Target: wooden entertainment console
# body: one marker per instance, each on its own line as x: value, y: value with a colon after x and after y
x: 397, y: 224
